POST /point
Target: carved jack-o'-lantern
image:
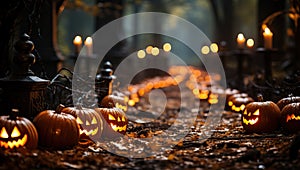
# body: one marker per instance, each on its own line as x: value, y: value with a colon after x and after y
x: 260, y: 117
x: 291, y: 117
x: 114, y: 101
x: 238, y: 102
x: 17, y: 132
x: 89, y: 120
x: 56, y: 129
x: 287, y: 100
x: 116, y: 121
x: 229, y: 92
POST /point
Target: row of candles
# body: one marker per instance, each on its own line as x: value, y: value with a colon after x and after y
x: 77, y: 42
x: 267, y: 34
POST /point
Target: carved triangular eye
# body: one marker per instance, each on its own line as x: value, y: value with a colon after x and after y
x: 15, y: 132
x: 123, y: 119
x: 230, y: 103
x: 245, y: 112
x: 3, y: 133
x: 256, y: 113
x: 242, y: 107
x: 94, y: 121
x: 79, y: 121
x: 110, y: 117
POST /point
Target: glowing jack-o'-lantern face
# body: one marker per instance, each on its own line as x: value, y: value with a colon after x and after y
x: 111, y: 101
x: 291, y: 117
x: 89, y: 120
x: 250, y: 118
x: 260, y: 117
x: 238, y: 102
x: 17, y: 132
x: 15, y: 141
x: 116, y: 121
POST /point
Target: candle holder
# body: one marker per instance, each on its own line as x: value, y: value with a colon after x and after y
x: 22, y: 89
x: 104, y: 81
x: 241, y: 55
x: 267, y: 55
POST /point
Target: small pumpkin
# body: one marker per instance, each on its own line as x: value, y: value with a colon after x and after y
x: 238, y: 102
x: 260, y: 116
x: 228, y: 93
x: 17, y: 132
x: 287, y: 100
x: 56, y: 129
x: 291, y: 117
x: 110, y: 101
x: 90, y: 122
x: 115, y: 121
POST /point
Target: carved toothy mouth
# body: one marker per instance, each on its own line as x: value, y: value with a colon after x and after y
x: 250, y: 121
x: 292, y: 117
x: 89, y: 133
x: 118, y: 128
x: 14, y: 143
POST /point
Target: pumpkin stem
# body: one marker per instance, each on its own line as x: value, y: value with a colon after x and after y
x: 13, y: 114
x: 78, y: 106
x: 260, y: 98
x: 59, y: 108
x: 290, y: 95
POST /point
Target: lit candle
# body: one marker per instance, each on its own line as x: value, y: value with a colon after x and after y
x: 89, y: 46
x: 241, y: 40
x: 77, y: 43
x: 250, y: 43
x: 268, y: 38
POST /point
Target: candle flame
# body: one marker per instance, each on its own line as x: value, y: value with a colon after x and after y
x: 77, y: 40
x: 267, y: 30
x: 88, y: 40
x: 250, y: 43
x: 241, y: 36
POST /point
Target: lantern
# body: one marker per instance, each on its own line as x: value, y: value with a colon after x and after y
x: 17, y: 132
x: 260, y: 117
x: 56, y: 129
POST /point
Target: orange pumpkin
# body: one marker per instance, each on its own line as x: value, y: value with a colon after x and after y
x: 17, y: 132
x: 90, y: 122
x: 291, y: 117
x: 260, y: 117
x: 115, y: 121
x: 56, y: 129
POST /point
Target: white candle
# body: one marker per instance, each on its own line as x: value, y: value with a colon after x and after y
x: 89, y: 46
x: 268, y: 38
x: 240, y: 40
x: 77, y: 44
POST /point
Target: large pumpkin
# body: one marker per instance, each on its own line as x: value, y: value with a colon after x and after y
x: 287, y: 100
x: 291, y: 117
x: 17, y: 132
x: 115, y: 121
x: 260, y: 117
x: 56, y: 129
x: 90, y: 122
x: 110, y: 101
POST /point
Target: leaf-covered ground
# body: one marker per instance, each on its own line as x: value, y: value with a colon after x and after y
x: 229, y: 147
